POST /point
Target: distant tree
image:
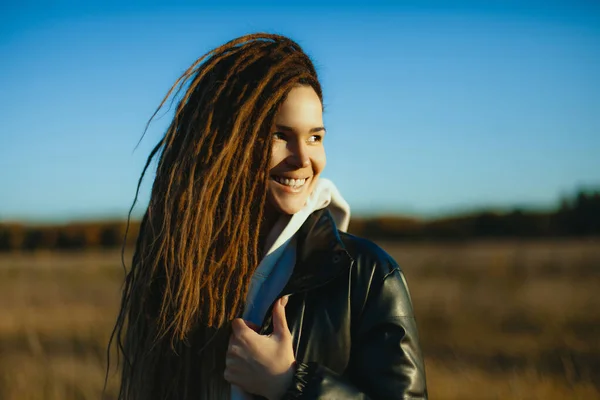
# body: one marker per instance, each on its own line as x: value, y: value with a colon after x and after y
x: 111, y: 236
x: 71, y: 238
x: 4, y: 238
x: 586, y: 213
x: 33, y: 239
x: 579, y: 216
x: 37, y: 238
x: 16, y: 237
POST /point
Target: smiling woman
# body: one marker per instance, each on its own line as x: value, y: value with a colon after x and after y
x: 243, y: 282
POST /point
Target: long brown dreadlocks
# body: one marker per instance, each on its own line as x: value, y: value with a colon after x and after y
x: 198, y: 244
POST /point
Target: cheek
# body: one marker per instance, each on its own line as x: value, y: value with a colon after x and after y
x: 319, y: 161
x: 277, y: 155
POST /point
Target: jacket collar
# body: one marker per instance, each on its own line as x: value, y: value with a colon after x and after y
x: 321, y: 254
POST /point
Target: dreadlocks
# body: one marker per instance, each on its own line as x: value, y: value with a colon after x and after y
x: 198, y: 244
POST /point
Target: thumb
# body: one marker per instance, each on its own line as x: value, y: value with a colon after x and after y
x: 280, y: 325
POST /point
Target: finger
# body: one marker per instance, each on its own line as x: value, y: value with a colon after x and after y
x: 238, y: 326
x: 280, y: 325
x: 236, y: 380
x: 241, y: 346
x: 233, y: 362
x: 244, y: 333
x: 234, y: 349
x: 231, y: 376
x: 235, y: 375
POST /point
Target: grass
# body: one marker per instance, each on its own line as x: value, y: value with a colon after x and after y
x: 498, y: 320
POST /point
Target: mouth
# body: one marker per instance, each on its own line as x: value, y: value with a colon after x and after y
x: 291, y: 183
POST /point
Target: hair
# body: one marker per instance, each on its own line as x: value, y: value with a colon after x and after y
x: 198, y: 244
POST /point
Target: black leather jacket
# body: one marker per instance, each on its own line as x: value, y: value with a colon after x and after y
x: 351, y: 319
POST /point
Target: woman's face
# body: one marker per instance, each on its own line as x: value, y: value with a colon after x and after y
x: 298, y: 156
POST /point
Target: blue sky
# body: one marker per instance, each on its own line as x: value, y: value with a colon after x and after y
x: 431, y: 107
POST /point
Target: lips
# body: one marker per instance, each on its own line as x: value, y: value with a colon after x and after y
x: 290, y: 185
x: 291, y: 182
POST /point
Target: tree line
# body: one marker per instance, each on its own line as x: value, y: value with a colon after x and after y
x: 578, y: 216
x: 72, y: 236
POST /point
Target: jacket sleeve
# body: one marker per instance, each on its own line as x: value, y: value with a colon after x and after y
x: 385, y: 360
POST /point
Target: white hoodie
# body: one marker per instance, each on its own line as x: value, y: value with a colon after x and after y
x: 276, y: 267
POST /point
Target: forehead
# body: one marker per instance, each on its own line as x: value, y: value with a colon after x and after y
x: 301, y: 107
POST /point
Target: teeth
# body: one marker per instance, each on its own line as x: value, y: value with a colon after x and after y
x: 295, y: 183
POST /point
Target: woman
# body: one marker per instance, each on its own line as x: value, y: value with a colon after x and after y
x: 243, y: 282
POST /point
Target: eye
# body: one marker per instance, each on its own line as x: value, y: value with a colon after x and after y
x: 279, y: 136
x: 315, y: 139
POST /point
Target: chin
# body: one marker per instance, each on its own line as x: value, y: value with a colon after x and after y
x: 288, y: 207
x: 286, y: 203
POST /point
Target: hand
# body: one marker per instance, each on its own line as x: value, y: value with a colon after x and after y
x: 258, y: 364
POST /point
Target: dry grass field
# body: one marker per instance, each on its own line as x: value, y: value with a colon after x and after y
x: 498, y: 320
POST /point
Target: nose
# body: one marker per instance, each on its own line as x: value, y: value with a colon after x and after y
x: 299, y: 156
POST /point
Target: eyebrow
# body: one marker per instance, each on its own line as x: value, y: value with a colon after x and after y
x: 290, y: 129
